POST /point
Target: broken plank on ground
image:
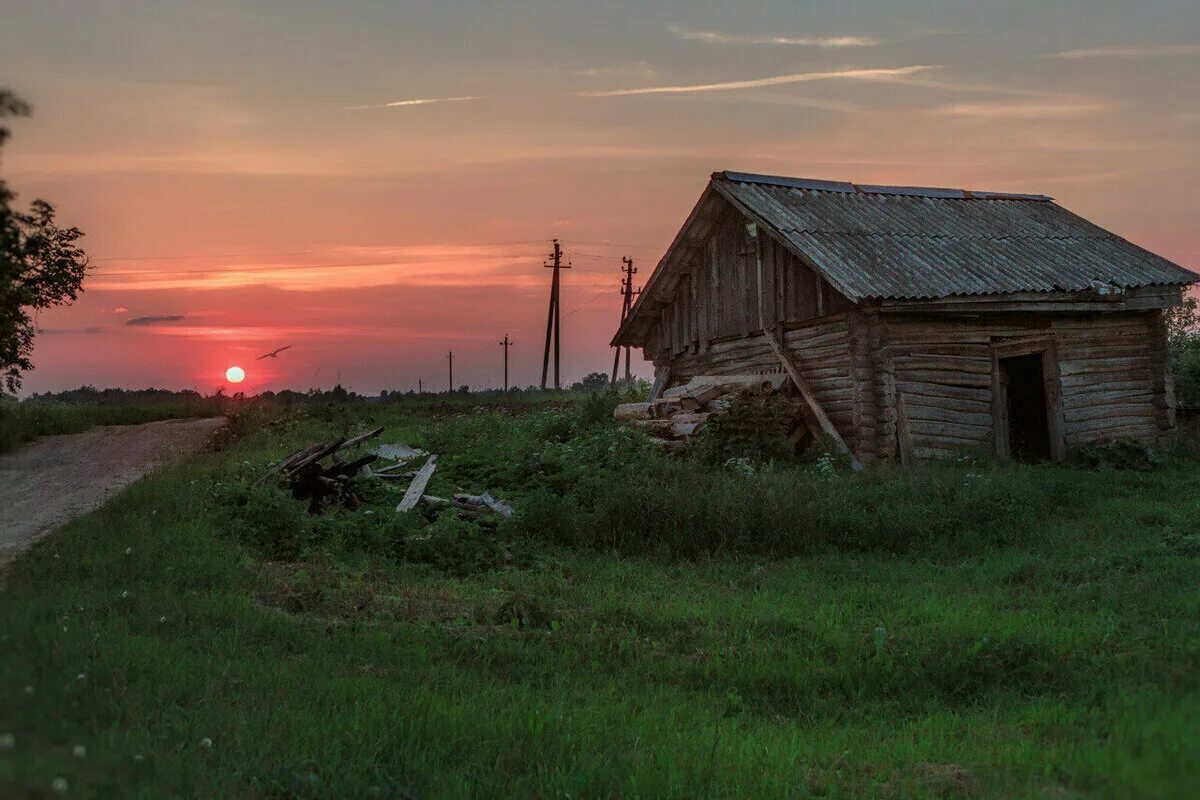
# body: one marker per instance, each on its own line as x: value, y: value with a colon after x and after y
x: 417, y: 487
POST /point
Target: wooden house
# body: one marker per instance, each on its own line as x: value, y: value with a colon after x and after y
x: 917, y: 322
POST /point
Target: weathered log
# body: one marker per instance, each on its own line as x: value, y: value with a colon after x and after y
x: 630, y: 411
x: 684, y: 429
x: 652, y: 425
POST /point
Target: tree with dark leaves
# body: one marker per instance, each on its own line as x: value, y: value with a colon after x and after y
x: 40, y: 266
x: 592, y: 382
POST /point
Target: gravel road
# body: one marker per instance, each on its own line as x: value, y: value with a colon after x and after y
x: 58, y: 478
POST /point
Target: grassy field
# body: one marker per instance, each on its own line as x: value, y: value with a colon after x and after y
x: 25, y: 421
x: 644, y: 627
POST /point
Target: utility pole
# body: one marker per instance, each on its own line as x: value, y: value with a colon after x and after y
x: 506, y: 344
x: 420, y: 387
x: 627, y: 294
x: 450, y: 356
x: 554, y: 315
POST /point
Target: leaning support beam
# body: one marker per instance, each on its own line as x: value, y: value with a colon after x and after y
x: 810, y: 399
x: 660, y: 382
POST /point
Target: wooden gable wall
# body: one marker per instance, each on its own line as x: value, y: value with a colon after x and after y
x: 714, y: 297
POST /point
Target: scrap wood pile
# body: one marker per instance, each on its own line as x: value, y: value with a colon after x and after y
x: 318, y: 473
x: 673, y: 419
x: 324, y: 483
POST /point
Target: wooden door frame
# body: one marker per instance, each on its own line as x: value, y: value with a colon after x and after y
x: 1052, y: 386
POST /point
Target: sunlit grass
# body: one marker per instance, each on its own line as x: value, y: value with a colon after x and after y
x: 1030, y: 632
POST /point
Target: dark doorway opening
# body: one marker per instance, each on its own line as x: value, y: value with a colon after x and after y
x: 1024, y: 384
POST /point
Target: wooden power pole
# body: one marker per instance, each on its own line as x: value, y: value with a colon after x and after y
x: 506, y: 344
x: 554, y: 315
x: 450, y: 356
x: 627, y: 294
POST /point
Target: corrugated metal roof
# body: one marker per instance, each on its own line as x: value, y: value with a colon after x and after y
x: 898, y: 242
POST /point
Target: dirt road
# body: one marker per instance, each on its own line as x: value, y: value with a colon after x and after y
x: 55, y: 479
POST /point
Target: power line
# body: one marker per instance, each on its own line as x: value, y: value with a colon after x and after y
x: 591, y: 299
x: 629, y: 246
x: 217, y: 255
x: 230, y: 270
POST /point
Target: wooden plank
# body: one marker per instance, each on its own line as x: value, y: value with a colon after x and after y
x: 1000, y: 427
x: 966, y: 394
x: 923, y: 439
x: 946, y: 378
x: 417, y: 487
x: 1112, y: 380
x: 903, y: 433
x: 1105, y: 397
x: 955, y: 364
x: 1110, y: 411
x: 928, y: 413
x: 1052, y: 386
x: 1125, y: 419
x: 1110, y: 365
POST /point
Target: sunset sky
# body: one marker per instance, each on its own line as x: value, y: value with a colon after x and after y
x: 375, y: 183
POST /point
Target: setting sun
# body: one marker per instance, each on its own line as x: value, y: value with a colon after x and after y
x: 235, y: 374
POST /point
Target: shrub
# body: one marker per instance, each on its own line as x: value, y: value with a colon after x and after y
x: 756, y: 428
x: 1117, y: 454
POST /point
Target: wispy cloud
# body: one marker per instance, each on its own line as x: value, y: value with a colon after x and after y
x: 155, y: 320
x: 1021, y: 110
x: 1133, y: 51
x: 877, y: 75
x: 420, y: 101
x: 717, y: 37
x: 91, y: 329
x: 637, y: 70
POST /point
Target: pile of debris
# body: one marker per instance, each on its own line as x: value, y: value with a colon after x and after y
x: 322, y: 484
x: 333, y: 481
x: 681, y: 412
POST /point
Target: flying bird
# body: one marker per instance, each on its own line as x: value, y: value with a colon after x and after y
x: 273, y: 353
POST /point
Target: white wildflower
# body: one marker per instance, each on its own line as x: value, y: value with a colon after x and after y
x: 128, y: 550
x: 28, y: 690
x: 162, y: 619
x: 206, y: 743
x: 81, y: 676
x: 79, y: 751
x: 139, y: 757
x: 59, y: 785
x: 7, y: 741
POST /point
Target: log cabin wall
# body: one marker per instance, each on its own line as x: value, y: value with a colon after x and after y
x: 711, y: 324
x: 933, y: 381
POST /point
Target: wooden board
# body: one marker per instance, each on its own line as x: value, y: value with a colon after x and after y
x: 417, y: 487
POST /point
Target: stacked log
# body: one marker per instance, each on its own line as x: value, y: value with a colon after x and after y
x: 675, y: 418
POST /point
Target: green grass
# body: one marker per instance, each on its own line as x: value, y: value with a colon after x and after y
x: 957, y: 631
x: 25, y: 421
